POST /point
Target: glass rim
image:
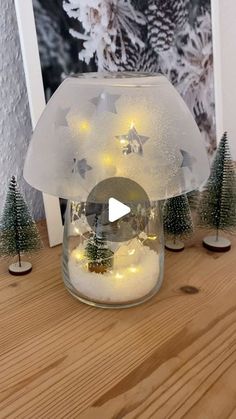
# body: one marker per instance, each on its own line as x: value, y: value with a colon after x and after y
x: 124, y: 78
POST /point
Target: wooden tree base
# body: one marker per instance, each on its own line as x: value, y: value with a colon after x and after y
x: 220, y: 245
x: 17, y: 270
x: 95, y: 267
x: 176, y: 246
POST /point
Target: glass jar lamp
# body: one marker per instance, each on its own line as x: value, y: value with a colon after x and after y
x: 114, y: 126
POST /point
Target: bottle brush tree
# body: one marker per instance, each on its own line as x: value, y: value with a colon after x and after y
x: 178, y: 224
x: 18, y: 231
x: 100, y: 257
x: 217, y: 208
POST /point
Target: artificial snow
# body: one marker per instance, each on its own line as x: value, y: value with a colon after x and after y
x: 125, y: 282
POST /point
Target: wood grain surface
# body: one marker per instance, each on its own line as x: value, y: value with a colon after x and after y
x: 173, y: 357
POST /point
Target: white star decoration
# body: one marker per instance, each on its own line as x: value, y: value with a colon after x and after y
x: 188, y: 160
x: 81, y: 167
x: 105, y: 102
x: 132, y: 142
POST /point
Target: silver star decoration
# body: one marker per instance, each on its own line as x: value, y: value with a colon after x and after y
x: 133, y: 142
x: 188, y: 160
x: 105, y: 102
x: 60, y: 119
x: 81, y: 167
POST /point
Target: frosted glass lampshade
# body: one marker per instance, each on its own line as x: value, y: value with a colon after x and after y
x: 130, y: 125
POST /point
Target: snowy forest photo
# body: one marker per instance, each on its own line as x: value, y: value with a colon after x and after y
x: 173, y: 37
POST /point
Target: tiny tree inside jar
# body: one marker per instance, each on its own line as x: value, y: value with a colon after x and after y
x: 100, y: 257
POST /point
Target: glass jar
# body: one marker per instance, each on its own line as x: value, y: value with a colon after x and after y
x: 111, y: 274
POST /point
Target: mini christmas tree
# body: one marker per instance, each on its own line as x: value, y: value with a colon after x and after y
x: 99, y: 255
x: 18, y: 231
x: 177, y: 220
x: 217, y: 208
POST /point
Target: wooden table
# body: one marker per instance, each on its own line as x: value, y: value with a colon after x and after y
x: 172, y: 357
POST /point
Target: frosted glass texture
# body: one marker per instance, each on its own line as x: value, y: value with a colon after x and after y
x: 97, y: 126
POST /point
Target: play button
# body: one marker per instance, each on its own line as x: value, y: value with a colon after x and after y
x: 118, y: 208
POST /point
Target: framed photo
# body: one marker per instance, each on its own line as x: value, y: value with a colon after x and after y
x: 59, y: 38
x: 35, y: 89
x: 224, y: 49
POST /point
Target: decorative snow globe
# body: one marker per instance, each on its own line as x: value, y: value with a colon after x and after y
x: 115, y: 142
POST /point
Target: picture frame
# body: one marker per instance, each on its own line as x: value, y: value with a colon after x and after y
x: 35, y: 89
x: 224, y: 35
x: 37, y: 103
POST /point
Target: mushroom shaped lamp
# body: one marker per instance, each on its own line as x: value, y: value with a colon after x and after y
x: 125, y: 136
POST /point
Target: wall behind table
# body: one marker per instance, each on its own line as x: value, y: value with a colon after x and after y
x: 15, y: 124
x: 224, y: 30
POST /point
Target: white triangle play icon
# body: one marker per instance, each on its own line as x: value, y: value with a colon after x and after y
x: 117, y: 209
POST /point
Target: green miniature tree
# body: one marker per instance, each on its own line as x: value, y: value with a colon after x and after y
x: 99, y: 255
x: 18, y: 231
x: 217, y: 208
x: 178, y: 224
